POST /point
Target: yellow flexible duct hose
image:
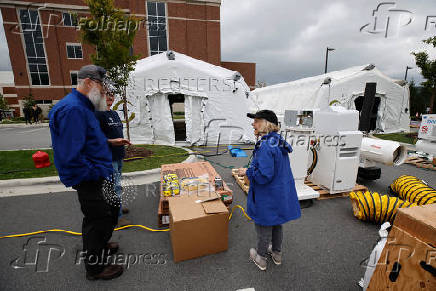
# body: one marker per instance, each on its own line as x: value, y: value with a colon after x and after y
x: 376, y: 208
x: 414, y: 190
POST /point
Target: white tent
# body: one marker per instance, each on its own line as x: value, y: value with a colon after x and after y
x: 215, y: 101
x: 346, y: 87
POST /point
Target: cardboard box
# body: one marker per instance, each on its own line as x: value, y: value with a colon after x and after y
x: 408, y: 260
x: 197, y: 229
x: 418, y: 221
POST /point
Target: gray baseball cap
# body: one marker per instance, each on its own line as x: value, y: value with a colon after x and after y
x: 92, y: 72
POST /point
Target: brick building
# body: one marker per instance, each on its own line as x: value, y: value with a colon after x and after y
x: 46, y: 53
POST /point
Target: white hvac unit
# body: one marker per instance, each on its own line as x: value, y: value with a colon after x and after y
x: 338, y: 148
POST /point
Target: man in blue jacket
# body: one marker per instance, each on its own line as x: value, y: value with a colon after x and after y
x: 83, y: 160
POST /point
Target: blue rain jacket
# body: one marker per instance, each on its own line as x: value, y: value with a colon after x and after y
x: 81, y: 151
x: 272, y: 198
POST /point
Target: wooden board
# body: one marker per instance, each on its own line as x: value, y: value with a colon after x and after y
x: 406, y: 263
x: 189, y: 170
x: 323, y: 193
x: 241, y: 181
x: 420, y: 163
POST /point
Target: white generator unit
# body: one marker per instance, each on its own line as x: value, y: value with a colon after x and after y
x: 330, y: 151
x: 427, y: 135
x: 338, y: 148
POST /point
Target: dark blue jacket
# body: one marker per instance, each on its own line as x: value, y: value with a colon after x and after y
x: 272, y: 198
x: 112, y: 127
x: 81, y: 151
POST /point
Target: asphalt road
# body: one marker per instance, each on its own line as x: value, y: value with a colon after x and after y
x: 24, y: 137
x: 323, y: 250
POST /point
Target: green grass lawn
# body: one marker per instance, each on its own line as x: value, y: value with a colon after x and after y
x: 400, y: 137
x: 178, y: 116
x: 20, y: 164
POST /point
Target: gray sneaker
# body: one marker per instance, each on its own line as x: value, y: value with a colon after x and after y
x: 276, y: 256
x: 258, y: 260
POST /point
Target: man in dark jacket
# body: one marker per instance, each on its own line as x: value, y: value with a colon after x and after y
x: 27, y: 110
x: 83, y: 160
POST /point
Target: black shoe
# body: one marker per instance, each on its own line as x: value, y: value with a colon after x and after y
x: 108, y: 273
x: 112, y: 248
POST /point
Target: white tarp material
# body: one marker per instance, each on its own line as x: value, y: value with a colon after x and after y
x: 216, y: 101
x: 344, y: 86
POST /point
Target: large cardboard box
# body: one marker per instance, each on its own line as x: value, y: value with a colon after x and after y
x: 419, y: 221
x: 197, y: 229
x: 408, y: 260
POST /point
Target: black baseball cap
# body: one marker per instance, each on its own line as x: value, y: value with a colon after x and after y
x: 92, y: 72
x: 265, y: 114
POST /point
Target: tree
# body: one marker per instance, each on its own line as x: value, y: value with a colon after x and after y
x: 112, y: 32
x: 29, y: 101
x: 3, y: 104
x: 419, y: 98
x: 428, y: 70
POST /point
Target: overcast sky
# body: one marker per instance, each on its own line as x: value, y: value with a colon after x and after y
x: 287, y: 38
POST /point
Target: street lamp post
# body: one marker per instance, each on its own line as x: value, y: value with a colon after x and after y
x: 327, y: 58
x: 407, y: 69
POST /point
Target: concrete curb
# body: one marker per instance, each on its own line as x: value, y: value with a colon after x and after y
x: 29, y: 186
x: 23, y: 125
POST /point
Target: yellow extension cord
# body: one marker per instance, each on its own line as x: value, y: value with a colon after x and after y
x: 116, y: 229
x: 130, y: 225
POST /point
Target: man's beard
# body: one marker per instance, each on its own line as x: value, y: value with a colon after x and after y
x: 96, y: 99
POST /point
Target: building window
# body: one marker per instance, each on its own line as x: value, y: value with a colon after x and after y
x: 69, y: 19
x: 73, y: 76
x: 157, y: 30
x: 44, y: 101
x: 34, y: 45
x: 74, y: 51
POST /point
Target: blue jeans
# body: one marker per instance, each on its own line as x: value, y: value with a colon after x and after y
x: 118, y: 166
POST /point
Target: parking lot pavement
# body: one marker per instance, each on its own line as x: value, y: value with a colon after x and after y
x: 24, y: 137
x: 322, y: 251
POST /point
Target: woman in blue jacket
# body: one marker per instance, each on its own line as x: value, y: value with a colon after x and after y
x: 272, y: 199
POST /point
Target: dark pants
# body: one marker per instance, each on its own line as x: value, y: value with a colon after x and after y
x: 27, y: 118
x: 99, y: 221
x: 267, y: 235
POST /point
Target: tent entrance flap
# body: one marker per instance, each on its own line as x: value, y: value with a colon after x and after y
x: 177, y: 107
x: 194, y: 116
x: 161, y: 120
x: 373, y: 113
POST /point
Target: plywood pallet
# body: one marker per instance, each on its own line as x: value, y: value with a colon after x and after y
x: 323, y: 193
x: 420, y: 163
x: 189, y: 170
x: 242, y: 182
